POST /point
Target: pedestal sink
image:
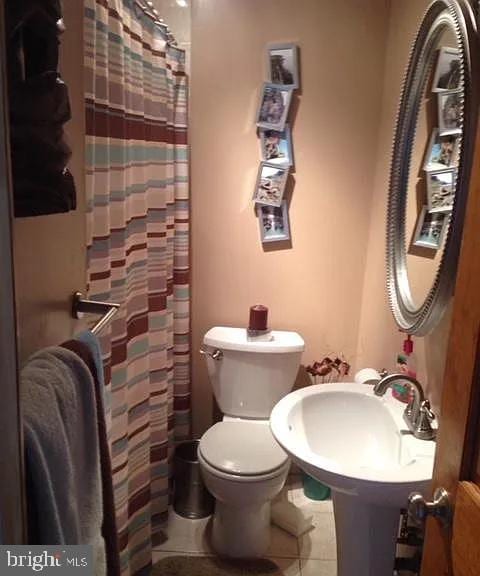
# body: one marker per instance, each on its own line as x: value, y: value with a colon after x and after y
x: 358, y: 444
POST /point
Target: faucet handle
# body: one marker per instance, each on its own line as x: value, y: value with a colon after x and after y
x: 425, y: 407
x: 423, y: 429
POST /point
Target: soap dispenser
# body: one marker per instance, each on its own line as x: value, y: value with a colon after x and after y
x: 406, y: 364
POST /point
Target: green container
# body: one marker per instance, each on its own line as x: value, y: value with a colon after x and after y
x: 314, y: 489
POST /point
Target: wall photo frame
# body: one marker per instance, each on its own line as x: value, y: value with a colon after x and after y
x: 276, y: 147
x: 273, y: 107
x: 282, y: 62
x: 441, y: 190
x: 449, y: 113
x: 273, y: 222
x: 430, y: 229
x: 448, y: 73
x: 442, y: 151
x: 270, y: 185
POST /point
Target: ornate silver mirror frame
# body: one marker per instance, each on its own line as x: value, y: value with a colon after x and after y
x: 458, y: 16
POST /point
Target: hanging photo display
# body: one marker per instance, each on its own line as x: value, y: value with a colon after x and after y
x: 275, y: 136
x: 442, y: 153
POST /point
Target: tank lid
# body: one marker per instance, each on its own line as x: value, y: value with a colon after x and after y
x: 224, y: 447
x: 227, y: 338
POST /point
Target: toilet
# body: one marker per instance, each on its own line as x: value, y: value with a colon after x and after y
x: 242, y: 465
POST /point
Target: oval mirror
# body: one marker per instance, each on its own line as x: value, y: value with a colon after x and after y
x: 431, y: 162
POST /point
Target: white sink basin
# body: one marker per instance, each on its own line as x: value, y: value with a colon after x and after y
x: 358, y: 444
x: 354, y: 441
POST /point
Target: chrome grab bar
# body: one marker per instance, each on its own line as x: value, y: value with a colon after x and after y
x: 215, y: 355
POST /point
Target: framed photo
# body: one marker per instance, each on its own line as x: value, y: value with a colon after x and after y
x: 441, y: 190
x: 270, y: 186
x: 430, y: 229
x: 277, y: 146
x: 283, y: 64
x: 273, y: 109
x: 273, y: 222
x: 450, y: 113
x: 442, y: 151
x: 448, y: 74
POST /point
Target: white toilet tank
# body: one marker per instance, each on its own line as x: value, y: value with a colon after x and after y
x: 250, y: 377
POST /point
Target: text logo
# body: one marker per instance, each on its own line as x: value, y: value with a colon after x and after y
x: 46, y: 560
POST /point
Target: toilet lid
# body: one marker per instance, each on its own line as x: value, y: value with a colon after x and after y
x: 243, y: 448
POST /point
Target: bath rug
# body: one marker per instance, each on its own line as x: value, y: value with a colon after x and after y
x: 180, y: 565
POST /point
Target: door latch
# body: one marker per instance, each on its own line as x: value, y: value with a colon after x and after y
x: 440, y: 508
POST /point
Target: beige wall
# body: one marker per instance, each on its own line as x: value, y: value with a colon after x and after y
x: 314, y: 286
x: 330, y: 285
x: 49, y: 251
x: 379, y: 340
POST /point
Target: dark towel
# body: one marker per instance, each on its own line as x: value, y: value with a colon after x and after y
x: 64, y: 496
x: 91, y: 356
x: 39, y: 106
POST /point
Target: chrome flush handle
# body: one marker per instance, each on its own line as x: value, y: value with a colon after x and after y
x: 419, y: 509
x: 215, y: 355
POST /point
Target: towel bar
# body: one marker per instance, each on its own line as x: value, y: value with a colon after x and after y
x: 81, y: 306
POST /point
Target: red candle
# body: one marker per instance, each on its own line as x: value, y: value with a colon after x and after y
x: 258, y: 317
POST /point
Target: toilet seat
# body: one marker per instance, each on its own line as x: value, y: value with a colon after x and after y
x: 242, y: 449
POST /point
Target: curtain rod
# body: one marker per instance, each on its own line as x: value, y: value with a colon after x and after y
x: 149, y: 9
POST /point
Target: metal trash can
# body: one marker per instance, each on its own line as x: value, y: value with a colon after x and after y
x: 190, y: 497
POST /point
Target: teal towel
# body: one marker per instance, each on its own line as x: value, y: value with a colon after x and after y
x: 93, y: 344
x: 64, y: 494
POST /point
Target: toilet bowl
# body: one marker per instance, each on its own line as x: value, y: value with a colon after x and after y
x: 244, y: 469
x: 242, y: 465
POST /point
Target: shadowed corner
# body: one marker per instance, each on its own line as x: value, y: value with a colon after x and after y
x: 303, y: 379
x: 421, y: 251
x: 292, y: 114
x: 297, y: 95
x: 277, y: 246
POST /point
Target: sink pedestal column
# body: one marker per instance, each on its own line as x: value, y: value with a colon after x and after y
x: 366, y: 536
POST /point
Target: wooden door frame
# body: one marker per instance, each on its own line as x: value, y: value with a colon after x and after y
x: 460, y: 411
x: 12, y: 497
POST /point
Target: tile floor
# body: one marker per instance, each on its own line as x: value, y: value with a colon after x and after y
x: 313, y: 554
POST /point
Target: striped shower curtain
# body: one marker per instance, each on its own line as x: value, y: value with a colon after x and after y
x: 138, y: 255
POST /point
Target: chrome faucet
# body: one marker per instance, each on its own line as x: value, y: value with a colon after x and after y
x: 418, y: 414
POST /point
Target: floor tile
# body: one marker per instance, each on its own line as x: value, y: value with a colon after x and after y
x: 191, y: 538
x: 287, y: 566
x: 272, y: 567
x: 185, y: 535
x: 297, y: 496
x: 318, y: 567
x: 282, y: 544
x: 320, y: 542
x: 158, y: 555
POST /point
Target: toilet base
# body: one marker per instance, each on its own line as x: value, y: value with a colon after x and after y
x: 241, y: 532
